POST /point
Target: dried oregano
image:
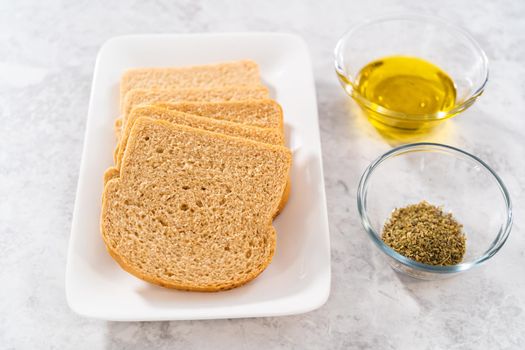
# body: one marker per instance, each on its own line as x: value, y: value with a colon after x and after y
x: 424, y: 233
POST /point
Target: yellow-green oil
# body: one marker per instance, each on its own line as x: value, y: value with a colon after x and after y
x: 419, y: 93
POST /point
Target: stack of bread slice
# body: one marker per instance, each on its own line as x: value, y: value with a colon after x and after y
x: 200, y: 172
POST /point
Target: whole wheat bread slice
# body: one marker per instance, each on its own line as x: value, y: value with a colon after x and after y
x: 192, y: 209
x: 243, y: 72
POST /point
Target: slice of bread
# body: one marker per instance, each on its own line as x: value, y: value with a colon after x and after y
x: 266, y: 135
x: 263, y: 113
x: 136, y: 97
x: 192, y: 209
x: 243, y: 72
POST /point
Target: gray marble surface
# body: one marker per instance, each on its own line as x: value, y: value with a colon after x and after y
x: 51, y: 47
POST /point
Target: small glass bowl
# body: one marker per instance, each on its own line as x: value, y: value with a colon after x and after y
x: 449, y: 47
x: 444, y: 176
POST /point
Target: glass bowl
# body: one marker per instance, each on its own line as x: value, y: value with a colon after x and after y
x: 444, y: 176
x: 449, y: 47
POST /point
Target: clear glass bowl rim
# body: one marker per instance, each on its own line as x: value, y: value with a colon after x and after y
x: 497, y: 243
x: 340, y: 59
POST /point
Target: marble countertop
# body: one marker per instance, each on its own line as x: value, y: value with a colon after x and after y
x: 48, y: 49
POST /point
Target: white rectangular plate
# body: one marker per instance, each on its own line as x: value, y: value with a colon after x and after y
x: 297, y: 280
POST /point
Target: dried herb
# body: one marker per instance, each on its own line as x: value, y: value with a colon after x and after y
x: 424, y: 233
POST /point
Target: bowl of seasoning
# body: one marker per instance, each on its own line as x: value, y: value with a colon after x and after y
x: 410, y: 73
x: 434, y: 210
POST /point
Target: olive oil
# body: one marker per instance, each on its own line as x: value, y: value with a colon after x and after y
x: 416, y: 93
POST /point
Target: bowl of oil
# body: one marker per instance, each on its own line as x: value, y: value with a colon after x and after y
x: 409, y: 73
